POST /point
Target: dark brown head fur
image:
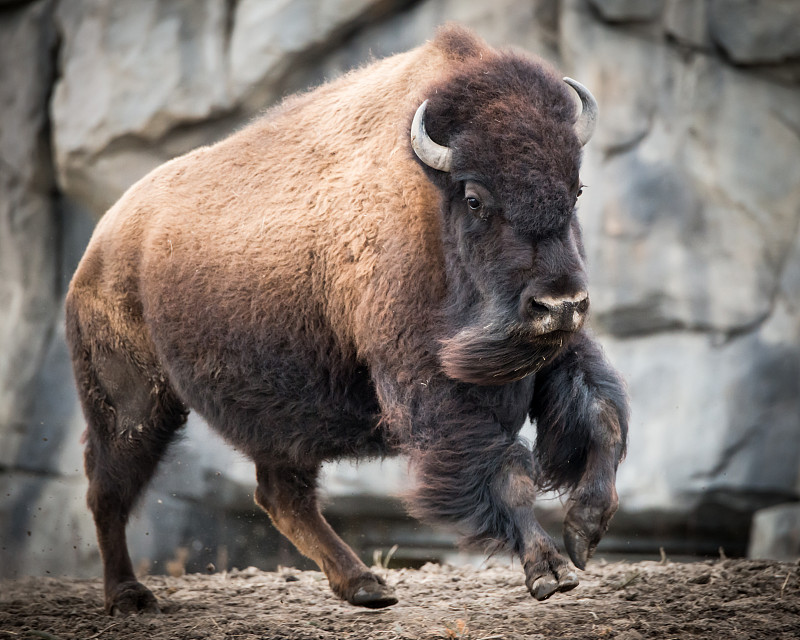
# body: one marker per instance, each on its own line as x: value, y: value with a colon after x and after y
x: 509, y: 123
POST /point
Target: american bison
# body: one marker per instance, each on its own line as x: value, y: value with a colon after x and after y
x: 389, y: 264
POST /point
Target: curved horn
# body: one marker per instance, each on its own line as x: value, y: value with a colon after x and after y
x: 431, y: 153
x: 587, y: 118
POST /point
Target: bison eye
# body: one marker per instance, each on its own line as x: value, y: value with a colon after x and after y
x: 478, y: 198
x: 474, y: 204
x: 580, y: 191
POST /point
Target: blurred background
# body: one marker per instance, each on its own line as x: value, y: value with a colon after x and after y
x: 691, y: 219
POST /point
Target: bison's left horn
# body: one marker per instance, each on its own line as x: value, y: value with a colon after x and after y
x: 587, y: 118
x: 433, y: 154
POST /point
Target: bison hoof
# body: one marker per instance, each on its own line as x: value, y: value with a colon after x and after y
x: 578, y: 546
x: 131, y: 597
x: 377, y: 598
x: 371, y: 592
x: 543, y: 584
x: 586, y: 523
x: 584, y: 526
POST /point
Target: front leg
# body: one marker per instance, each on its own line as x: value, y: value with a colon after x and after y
x: 546, y: 570
x: 473, y: 473
x: 581, y: 411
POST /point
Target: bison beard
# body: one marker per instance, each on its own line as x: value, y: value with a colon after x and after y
x: 498, y: 354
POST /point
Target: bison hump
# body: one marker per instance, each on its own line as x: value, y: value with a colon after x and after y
x: 459, y: 43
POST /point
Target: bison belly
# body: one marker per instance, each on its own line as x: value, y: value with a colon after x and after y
x: 261, y: 366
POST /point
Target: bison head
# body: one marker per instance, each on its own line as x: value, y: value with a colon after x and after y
x: 506, y: 163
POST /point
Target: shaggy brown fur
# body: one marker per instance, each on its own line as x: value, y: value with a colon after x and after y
x: 314, y: 292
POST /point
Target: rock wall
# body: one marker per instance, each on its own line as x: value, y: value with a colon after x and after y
x: 692, y: 224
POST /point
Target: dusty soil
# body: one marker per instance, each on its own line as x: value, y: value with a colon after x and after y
x: 720, y: 599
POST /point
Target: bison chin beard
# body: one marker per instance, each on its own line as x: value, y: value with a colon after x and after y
x: 495, y: 355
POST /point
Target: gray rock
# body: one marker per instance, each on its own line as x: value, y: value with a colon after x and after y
x: 129, y: 75
x: 687, y: 22
x: 789, y: 286
x: 42, y: 486
x: 628, y: 10
x: 28, y: 225
x: 756, y: 31
x: 692, y: 202
x: 627, y: 90
x: 711, y: 417
x: 46, y: 527
x: 775, y: 533
x: 532, y: 26
x: 269, y: 37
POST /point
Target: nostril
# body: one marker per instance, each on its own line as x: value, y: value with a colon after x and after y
x: 583, y: 305
x: 536, y: 309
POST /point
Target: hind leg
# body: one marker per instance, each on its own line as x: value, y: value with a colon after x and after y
x: 288, y: 494
x: 132, y: 417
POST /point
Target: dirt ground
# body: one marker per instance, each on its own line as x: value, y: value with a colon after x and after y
x: 713, y: 599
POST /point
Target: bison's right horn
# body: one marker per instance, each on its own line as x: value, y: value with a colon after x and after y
x: 587, y: 118
x: 433, y: 154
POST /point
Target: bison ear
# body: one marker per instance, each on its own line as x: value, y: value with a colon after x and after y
x: 431, y: 153
x: 587, y: 118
